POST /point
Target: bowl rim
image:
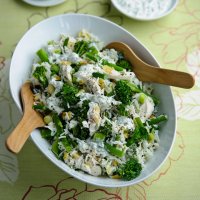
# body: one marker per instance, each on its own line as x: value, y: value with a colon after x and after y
x: 18, y: 103
x: 120, y: 9
x: 44, y: 3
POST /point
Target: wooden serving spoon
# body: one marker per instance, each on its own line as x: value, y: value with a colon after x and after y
x: 149, y: 73
x: 30, y: 120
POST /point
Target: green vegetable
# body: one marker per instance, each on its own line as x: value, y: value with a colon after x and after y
x: 43, y: 55
x: 106, y: 129
x: 123, y: 92
x: 80, y: 115
x: 80, y: 132
x: 121, y: 108
x: 99, y: 75
x: 93, y: 50
x: 58, y: 124
x: 156, y: 120
x: 140, y: 133
x: 40, y: 107
x: 47, y: 119
x: 58, y: 51
x: 114, y: 151
x: 65, y: 43
x: 68, y: 146
x: 75, y: 67
x: 124, y: 64
x: 55, y: 149
x: 142, y: 98
x: 130, y: 170
x: 68, y: 95
x: 81, y: 47
x: 99, y: 136
x: 40, y: 75
x: 116, y: 67
x: 55, y: 69
x: 45, y: 133
x: 125, y: 89
x: 133, y: 87
x: 92, y: 56
x: 81, y: 112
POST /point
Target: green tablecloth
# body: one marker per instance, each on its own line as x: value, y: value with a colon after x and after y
x: 175, y: 42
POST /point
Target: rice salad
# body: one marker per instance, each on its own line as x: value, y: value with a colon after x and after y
x: 99, y: 117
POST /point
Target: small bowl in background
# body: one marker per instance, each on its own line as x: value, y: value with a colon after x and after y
x: 44, y: 3
x: 145, y: 10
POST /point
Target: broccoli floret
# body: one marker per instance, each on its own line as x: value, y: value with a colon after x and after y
x: 55, y: 69
x: 124, y: 63
x: 121, y: 109
x: 81, y: 47
x: 39, y: 74
x: 46, y: 133
x: 123, y: 92
x: 80, y: 132
x: 68, y: 95
x: 81, y: 115
x: 81, y: 112
x: 130, y: 170
x: 106, y: 129
x: 140, y: 133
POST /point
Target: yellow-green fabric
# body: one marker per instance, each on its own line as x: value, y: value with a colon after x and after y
x: 175, y: 42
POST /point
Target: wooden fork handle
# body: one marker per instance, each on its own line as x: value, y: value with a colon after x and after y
x: 20, y: 134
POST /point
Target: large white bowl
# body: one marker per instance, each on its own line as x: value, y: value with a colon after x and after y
x: 107, y: 31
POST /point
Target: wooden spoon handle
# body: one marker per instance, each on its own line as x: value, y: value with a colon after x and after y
x: 20, y: 134
x: 148, y: 73
x: 165, y: 76
x: 31, y: 120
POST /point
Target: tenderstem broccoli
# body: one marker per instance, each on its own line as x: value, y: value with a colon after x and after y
x: 121, y: 109
x: 81, y: 47
x: 58, y: 124
x: 130, y: 170
x: 103, y: 132
x: 68, y: 95
x: 99, y: 75
x: 116, y: 67
x: 124, y: 64
x: 43, y: 55
x: 80, y: 132
x: 114, y: 150
x: 125, y: 89
x: 65, y: 43
x: 156, y: 120
x: 140, y: 133
x: 123, y: 92
x: 40, y: 75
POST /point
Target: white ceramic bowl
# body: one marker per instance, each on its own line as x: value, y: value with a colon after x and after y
x: 166, y: 10
x: 107, y: 31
